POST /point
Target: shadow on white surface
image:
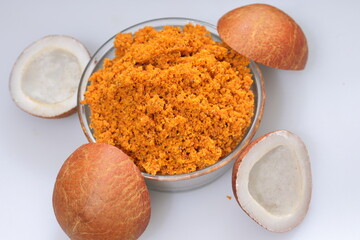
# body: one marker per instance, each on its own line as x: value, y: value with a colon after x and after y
x: 161, y: 205
x: 274, y: 101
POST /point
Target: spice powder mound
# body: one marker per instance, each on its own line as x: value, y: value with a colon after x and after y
x: 174, y: 100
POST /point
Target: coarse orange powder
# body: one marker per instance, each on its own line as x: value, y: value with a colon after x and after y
x: 174, y: 100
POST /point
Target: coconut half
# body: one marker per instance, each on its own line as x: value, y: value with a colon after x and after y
x: 266, y: 35
x: 45, y: 77
x: 272, y: 181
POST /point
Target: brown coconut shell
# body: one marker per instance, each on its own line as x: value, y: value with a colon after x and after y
x: 100, y: 194
x: 266, y: 35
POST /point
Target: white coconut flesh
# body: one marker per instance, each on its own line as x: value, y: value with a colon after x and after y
x: 273, y: 181
x: 45, y: 77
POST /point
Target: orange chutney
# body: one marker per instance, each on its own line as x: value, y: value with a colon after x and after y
x: 174, y: 100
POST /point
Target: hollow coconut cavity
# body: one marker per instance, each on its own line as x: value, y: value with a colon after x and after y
x: 45, y: 77
x: 272, y: 181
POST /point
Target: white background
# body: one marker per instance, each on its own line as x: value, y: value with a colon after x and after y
x: 320, y: 104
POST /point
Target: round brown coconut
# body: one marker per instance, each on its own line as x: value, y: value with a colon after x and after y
x: 100, y: 194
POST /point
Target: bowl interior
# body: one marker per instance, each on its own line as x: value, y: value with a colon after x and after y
x: 107, y: 51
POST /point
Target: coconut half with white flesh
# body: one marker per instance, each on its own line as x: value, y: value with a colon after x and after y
x: 272, y: 181
x: 45, y: 77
